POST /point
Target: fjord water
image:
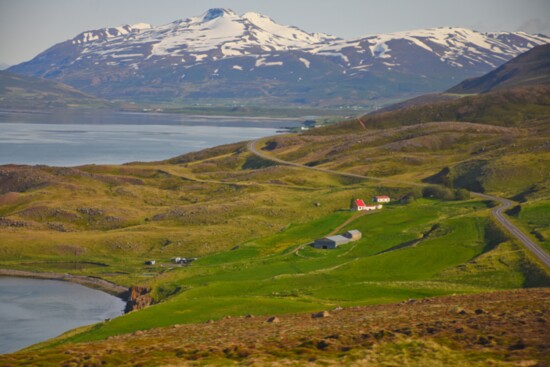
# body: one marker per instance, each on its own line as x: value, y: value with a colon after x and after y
x: 70, y: 139
x: 33, y: 310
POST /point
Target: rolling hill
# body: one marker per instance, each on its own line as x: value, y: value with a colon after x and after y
x: 521, y: 107
x: 461, y: 331
x: 249, y: 222
x: 529, y: 69
x: 24, y: 92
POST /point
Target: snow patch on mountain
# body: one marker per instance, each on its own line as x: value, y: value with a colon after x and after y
x: 107, y: 33
x: 380, y: 50
x: 306, y: 62
x: 262, y: 62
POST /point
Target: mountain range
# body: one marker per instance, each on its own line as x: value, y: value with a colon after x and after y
x: 223, y: 57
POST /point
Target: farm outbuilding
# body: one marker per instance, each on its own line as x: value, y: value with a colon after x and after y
x: 381, y: 199
x: 372, y: 207
x: 331, y: 242
x: 353, y: 235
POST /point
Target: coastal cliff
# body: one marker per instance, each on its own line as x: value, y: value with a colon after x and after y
x: 140, y: 297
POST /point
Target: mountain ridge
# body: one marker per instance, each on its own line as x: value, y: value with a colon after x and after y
x: 222, y: 56
x: 530, y: 68
x: 508, y: 83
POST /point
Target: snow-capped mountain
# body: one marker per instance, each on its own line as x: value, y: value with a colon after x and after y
x: 223, y: 55
x: 104, y: 34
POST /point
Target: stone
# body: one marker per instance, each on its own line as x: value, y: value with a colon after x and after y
x: 320, y: 315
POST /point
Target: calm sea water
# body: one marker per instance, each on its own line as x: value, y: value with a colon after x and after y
x: 33, y: 310
x: 70, y: 139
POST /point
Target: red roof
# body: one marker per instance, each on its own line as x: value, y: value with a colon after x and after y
x: 359, y: 202
x: 382, y: 197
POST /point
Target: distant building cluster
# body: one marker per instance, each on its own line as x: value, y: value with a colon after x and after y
x: 183, y: 260
x: 175, y: 260
x: 359, y: 204
x: 332, y: 242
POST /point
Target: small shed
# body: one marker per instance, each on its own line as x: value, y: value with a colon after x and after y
x: 381, y: 199
x: 330, y: 242
x: 353, y: 235
x: 150, y: 262
x: 372, y: 207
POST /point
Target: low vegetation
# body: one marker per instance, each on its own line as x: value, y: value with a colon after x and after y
x: 249, y: 222
x: 521, y: 107
x: 498, y: 329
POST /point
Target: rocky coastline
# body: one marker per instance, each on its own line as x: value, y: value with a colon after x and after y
x: 91, y: 282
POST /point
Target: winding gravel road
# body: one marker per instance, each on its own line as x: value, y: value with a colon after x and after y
x: 497, y: 212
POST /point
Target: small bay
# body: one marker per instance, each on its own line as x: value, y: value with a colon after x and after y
x: 34, y: 310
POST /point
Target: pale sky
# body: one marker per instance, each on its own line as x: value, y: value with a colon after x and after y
x: 28, y: 27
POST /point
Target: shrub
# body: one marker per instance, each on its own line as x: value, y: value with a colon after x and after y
x: 413, y: 194
x: 462, y: 194
x: 437, y: 192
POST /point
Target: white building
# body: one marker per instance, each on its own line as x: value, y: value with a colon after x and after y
x: 381, y: 199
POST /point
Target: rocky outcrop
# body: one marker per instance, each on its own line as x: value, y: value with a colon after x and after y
x: 19, y: 178
x: 7, y: 222
x: 140, y: 297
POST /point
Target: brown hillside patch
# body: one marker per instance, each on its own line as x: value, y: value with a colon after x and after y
x: 23, y: 178
x: 507, y: 328
x: 9, y: 198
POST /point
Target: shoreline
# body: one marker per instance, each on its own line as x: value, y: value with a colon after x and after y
x: 248, y: 118
x: 87, y: 281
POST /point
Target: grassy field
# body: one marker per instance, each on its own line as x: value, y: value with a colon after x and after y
x: 534, y: 218
x: 249, y: 222
x: 424, y: 249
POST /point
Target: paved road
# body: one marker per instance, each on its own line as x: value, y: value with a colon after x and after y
x: 497, y: 212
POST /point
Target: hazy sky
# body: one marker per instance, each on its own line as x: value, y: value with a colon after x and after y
x: 28, y: 27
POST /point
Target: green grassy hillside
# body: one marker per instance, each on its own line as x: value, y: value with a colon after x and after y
x: 521, y: 107
x: 249, y: 222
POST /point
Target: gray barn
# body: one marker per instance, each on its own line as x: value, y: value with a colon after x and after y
x: 330, y: 242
